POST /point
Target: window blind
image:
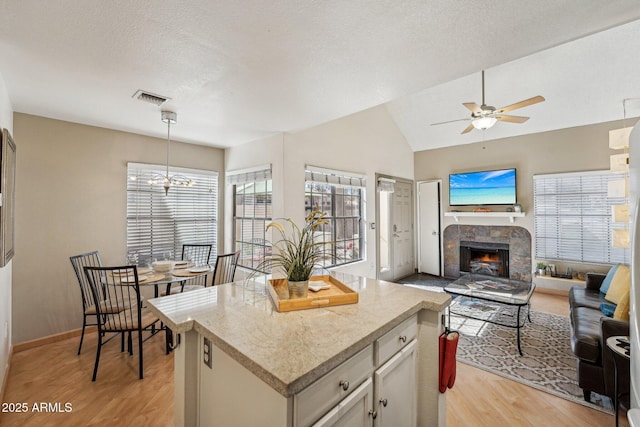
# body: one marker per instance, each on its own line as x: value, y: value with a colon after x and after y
x: 333, y: 177
x: 245, y: 176
x: 158, y: 224
x: 572, y: 217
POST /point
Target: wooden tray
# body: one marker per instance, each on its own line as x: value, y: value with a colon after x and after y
x: 338, y: 294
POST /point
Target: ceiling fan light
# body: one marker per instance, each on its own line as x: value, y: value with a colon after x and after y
x: 484, y: 122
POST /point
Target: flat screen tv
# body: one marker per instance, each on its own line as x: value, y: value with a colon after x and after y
x: 494, y: 187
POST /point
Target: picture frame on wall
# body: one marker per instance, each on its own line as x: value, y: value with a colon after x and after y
x: 7, y: 190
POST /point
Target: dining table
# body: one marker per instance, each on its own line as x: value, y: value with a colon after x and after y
x: 182, y: 271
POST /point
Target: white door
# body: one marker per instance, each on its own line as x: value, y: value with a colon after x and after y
x: 402, y: 230
x: 429, y: 254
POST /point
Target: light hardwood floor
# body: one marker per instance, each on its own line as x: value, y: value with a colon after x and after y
x: 55, y: 374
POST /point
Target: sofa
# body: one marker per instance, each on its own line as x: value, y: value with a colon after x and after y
x: 598, y: 311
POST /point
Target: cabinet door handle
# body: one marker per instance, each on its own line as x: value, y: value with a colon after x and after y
x: 373, y: 414
x: 384, y: 402
x: 344, y: 385
x: 403, y: 338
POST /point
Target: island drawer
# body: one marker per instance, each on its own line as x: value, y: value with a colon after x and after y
x: 314, y: 401
x: 394, y: 340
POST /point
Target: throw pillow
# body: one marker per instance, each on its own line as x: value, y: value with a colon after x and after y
x: 604, y: 287
x: 607, y: 309
x: 620, y: 284
x: 622, y: 310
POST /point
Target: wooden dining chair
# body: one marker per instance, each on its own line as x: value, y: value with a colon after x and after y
x: 89, y: 259
x: 225, y: 269
x: 116, y: 296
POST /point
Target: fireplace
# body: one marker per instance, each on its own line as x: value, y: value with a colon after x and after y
x: 516, y: 239
x: 487, y: 258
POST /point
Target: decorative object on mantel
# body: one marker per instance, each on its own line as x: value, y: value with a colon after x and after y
x: 482, y: 210
x: 169, y: 117
x: 297, y: 254
x: 517, y: 207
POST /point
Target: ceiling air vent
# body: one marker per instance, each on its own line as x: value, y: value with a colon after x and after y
x: 150, y: 97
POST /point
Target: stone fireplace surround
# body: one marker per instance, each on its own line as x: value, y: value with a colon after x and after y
x: 518, y: 239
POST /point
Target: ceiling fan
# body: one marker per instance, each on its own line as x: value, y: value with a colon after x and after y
x: 485, y: 116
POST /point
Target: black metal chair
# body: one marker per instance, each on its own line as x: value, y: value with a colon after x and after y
x: 89, y: 259
x: 199, y: 254
x: 116, y: 296
x: 225, y: 269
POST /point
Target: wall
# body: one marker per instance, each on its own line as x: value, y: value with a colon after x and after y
x: 634, y: 316
x: 70, y: 199
x: 368, y: 142
x: 567, y: 150
x: 6, y: 121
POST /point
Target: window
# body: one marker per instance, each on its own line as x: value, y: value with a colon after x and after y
x: 573, y: 218
x: 252, y: 211
x: 341, y: 196
x: 158, y: 224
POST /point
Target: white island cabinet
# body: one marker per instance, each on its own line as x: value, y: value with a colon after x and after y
x: 239, y: 362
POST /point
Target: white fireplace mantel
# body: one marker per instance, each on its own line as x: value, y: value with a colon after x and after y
x: 511, y: 215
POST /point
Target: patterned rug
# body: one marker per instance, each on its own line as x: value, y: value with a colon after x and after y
x: 548, y: 363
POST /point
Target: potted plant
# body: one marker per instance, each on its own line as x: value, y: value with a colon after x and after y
x: 296, y: 253
x: 542, y: 268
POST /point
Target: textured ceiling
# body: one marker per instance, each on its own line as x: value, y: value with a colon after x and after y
x: 240, y: 70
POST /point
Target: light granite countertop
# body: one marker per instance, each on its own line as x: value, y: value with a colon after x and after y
x: 291, y: 350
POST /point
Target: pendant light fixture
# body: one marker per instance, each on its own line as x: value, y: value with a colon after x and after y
x: 169, y: 117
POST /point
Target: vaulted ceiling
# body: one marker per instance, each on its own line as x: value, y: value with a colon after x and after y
x: 237, y: 71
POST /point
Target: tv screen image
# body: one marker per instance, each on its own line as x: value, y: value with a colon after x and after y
x: 495, y: 187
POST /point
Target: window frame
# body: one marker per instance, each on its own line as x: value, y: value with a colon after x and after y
x: 184, y: 215
x: 260, y: 247
x: 562, y: 217
x: 334, y: 180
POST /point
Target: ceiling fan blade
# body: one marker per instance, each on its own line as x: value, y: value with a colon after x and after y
x: 511, y: 119
x: 475, y: 108
x: 468, y: 129
x: 450, y: 121
x: 521, y: 104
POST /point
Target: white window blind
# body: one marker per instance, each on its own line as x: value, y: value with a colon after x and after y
x: 245, y: 176
x: 159, y: 224
x: 333, y: 177
x: 573, y: 217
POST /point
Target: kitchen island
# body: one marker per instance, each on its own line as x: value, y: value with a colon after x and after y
x: 240, y: 362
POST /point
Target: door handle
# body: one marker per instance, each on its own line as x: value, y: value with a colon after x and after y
x: 434, y: 233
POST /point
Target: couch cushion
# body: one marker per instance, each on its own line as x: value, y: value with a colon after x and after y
x: 622, y: 310
x: 585, y: 339
x: 620, y: 284
x: 604, y: 287
x: 608, y: 309
x: 579, y: 296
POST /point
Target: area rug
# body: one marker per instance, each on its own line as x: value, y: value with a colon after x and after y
x: 547, y: 364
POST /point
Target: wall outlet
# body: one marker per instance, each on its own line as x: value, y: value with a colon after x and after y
x: 206, y: 356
